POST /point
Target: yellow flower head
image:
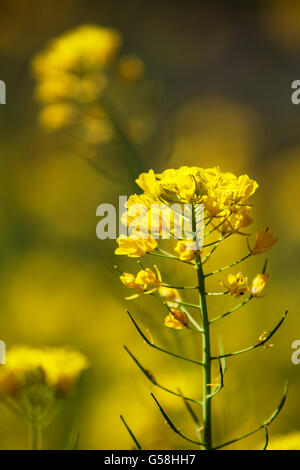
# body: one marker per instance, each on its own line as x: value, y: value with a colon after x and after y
x: 258, y: 284
x: 186, y: 250
x: 135, y: 247
x: 236, y: 284
x: 35, y: 377
x: 177, y: 320
x: 265, y: 239
x: 216, y: 190
x: 84, y: 48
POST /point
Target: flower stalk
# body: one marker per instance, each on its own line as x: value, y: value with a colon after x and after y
x: 206, y: 358
x: 35, y: 435
x: 223, y: 196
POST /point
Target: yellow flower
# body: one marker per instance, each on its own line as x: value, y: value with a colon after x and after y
x: 84, y: 48
x: 147, y: 277
x: 129, y: 280
x: 265, y: 239
x: 171, y: 294
x: 245, y: 187
x: 236, y: 219
x: 54, y: 116
x: 131, y: 68
x: 215, y: 205
x: 186, y: 250
x: 143, y: 279
x: 147, y: 182
x: 137, y: 205
x: 258, y: 284
x: 236, y: 284
x: 33, y: 378
x: 177, y: 320
x: 135, y: 247
x: 210, y: 186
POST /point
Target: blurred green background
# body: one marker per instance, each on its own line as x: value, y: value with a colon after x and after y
x: 221, y: 74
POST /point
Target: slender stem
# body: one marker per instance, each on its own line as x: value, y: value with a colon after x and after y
x: 131, y: 433
x: 35, y: 437
x: 206, y: 357
x: 229, y: 266
x: 232, y: 310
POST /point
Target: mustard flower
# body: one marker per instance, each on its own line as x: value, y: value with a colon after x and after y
x: 135, y: 247
x: 193, y: 184
x: 237, y: 284
x: 186, y: 249
x: 226, y: 210
x: 143, y: 279
x: 258, y: 285
x: 84, y: 48
x: 176, y: 319
x: 235, y: 221
x: 34, y: 379
x: 265, y: 239
x: 129, y: 280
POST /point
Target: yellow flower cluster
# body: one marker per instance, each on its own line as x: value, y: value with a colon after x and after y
x: 224, y: 198
x: 73, y: 73
x: 34, y: 378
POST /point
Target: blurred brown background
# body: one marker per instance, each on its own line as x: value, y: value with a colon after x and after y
x: 224, y: 72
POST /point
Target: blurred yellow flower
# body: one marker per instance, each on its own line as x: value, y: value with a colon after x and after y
x: 135, y: 247
x: 265, y: 239
x: 131, y: 68
x: 33, y: 379
x: 258, y: 284
x: 237, y: 284
x: 57, y: 115
x: 84, y: 48
x: 59, y: 368
x: 177, y: 320
x: 74, y: 72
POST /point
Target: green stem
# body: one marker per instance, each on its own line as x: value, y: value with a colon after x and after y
x: 206, y: 356
x: 35, y: 436
x: 206, y: 360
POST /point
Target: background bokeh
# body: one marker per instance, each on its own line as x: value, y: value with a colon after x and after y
x: 221, y: 74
